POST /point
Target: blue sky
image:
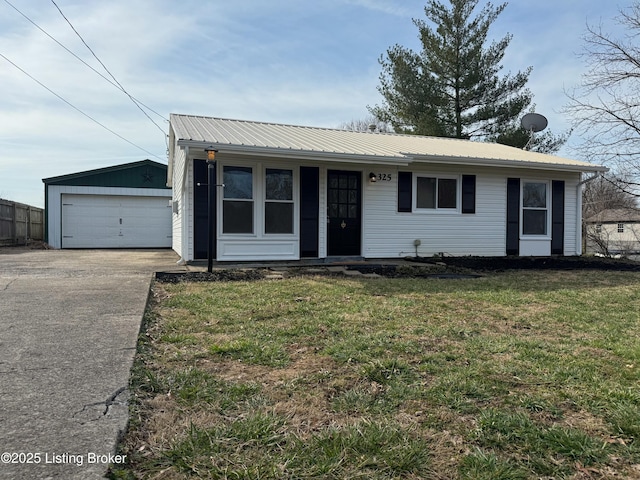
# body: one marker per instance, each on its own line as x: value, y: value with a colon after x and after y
x: 290, y: 61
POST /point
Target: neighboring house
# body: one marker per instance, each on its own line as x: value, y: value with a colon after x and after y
x: 285, y: 192
x: 123, y: 206
x: 613, y: 231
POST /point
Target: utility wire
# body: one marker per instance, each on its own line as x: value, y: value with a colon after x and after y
x: 78, y: 110
x: 107, y: 70
x: 81, y: 60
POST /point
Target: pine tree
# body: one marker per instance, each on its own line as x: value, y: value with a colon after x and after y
x: 453, y: 87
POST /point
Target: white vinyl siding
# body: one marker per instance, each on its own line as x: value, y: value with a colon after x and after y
x: 391, y: 234
x: 388, y: 233
x: 178, y: 216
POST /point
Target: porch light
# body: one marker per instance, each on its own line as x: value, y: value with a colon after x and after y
x: 373, y: 178
x: 211, y: 154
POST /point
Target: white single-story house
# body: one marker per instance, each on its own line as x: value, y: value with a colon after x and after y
x: 286, y: 192
x: 122, y: 206
x: 613, y: 231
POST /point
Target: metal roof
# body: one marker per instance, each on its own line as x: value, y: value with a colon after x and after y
x: 142, y: 174
x: 229, y: 135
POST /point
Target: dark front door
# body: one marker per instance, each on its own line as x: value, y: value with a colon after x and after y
x: 344, y: 209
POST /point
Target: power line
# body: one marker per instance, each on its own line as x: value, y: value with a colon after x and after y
x: 81, y: 60
x: 78, y: 110
x: 107, y: 70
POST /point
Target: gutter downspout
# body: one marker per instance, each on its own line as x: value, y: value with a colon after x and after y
x: 579, y: 209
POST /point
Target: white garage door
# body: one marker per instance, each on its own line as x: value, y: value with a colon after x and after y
x: 113, y: 221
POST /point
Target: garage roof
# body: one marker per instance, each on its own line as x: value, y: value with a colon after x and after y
x: 229, y: 135
x: 142, y: 174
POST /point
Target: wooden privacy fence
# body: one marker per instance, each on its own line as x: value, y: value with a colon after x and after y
x: 20, y: 223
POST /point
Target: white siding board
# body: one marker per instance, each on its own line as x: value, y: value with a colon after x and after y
x: 390, y: 233
x: 178, y: 196
x: 188, y: 221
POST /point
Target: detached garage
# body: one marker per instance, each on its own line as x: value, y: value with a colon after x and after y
x: 124, y: 206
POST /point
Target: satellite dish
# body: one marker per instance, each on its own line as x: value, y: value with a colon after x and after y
x: 534, y: 122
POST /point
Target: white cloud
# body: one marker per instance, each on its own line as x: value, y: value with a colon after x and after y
x: 313, y: 63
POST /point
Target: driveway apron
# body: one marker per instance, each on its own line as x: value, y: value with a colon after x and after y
x: 69, y: 321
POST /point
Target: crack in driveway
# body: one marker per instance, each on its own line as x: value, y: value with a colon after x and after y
x: 6, y: 287
x: 110, y: 401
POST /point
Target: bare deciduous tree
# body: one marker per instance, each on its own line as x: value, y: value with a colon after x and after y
x: 367, y: 124
x: 604, y: 193
x: 605, y: 107
x: 604, y: 204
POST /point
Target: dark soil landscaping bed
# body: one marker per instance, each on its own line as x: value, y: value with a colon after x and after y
x: 494, y: 264
x: 444, y: 268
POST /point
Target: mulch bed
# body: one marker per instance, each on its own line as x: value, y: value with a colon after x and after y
x: 497, y: 264
x: 448, y: 267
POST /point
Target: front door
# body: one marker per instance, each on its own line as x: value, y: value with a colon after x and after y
x: 344, y: 209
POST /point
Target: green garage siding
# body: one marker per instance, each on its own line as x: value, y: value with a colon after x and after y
x: 143, y: 174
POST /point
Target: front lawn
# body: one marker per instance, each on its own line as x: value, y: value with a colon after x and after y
x: 515, y: 375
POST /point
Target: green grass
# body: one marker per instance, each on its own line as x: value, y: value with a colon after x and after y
x: 518, y: 375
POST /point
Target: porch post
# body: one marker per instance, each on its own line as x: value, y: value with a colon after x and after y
x: 211, y: 214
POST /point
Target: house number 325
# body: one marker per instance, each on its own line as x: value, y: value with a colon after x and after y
x: 384, y: 177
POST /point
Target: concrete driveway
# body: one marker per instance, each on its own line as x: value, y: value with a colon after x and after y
x: 69, y: 321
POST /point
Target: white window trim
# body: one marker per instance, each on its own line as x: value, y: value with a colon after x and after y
x: 259, y: 172
x: 529, y: 236
x: 436, y: 210
x: 294, y: 200
x: 221, y: 199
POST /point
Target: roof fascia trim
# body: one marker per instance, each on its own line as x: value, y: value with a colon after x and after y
x: 298, y: 154
x: 496, y: 162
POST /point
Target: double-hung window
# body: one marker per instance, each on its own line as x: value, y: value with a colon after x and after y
x: 436, y: 193
x: 278, y: 207
x: 535, y: 208
x: 238, y: 202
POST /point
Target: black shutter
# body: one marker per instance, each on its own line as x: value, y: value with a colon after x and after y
x: 404, y: 191
x: 468, y: 194
x: 513, y: 216
x: 200, y: 210
x: 309, y: 211
x: 557, y: 217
